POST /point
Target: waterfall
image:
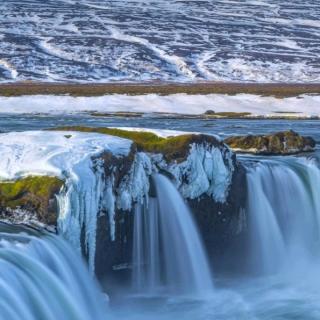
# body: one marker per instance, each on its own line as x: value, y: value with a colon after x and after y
x: 168, y: 254
x: 42, y: 278
x: 284, y: 212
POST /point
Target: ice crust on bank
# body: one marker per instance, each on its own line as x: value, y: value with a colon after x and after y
x: 69, y: 156
x: 304, y: 105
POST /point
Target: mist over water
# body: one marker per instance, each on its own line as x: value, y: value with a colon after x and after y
x: 91, y: 40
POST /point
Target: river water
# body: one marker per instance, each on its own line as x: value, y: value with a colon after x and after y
x: 283, y: 280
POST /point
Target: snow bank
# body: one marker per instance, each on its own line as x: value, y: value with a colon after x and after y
x: 53, y: 152
x: 305, y: 105
x: 67, y: 155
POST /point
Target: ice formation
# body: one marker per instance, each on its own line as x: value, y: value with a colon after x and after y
x: 135, y: 186
x: 207, y: 170
x: 69, y: 156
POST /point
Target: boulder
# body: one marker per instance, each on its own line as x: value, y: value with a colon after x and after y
x: 280, y: 143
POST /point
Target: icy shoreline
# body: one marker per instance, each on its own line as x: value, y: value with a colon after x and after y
x: 295, y: 107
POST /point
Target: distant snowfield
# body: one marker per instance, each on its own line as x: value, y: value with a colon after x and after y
x: 305, y: 105
x: 143, y: 40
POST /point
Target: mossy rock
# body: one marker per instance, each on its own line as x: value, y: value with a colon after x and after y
x: 174, y: 148
x: 282, y: 143
x: 228, y: 115
x: 35, y: 194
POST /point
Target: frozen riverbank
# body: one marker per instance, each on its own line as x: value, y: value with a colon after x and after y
x: 192, y: 104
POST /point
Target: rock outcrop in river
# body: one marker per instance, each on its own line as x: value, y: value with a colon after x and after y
x: 282, y: 143
x: 96, y: 204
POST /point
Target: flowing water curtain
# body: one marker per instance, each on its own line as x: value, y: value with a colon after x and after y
x: 284, y: 213
x: 42, y: 278
x: 168, y: 254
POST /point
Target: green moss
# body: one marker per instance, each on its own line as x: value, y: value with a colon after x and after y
x: 173, y: 148
x: 228, y: 115
x: 286, y: 142
x: 31, y: 193
x: 38, y: 185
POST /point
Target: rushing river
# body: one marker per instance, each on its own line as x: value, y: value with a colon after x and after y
x: 282, y: 284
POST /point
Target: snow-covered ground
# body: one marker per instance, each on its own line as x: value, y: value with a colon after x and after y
x: 305, y: 105
x: 52, y: 152
x: 139, y: 40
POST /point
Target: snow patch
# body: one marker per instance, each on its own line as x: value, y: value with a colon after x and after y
x: 304, y: 105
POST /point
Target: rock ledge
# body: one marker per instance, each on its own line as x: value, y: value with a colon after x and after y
x: 280, y: 143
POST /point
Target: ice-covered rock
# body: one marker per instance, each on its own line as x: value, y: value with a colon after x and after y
x: 104, y: 176
x: 207, y: 170
x: 71, y: 158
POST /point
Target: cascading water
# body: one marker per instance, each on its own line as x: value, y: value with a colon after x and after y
x: 42, y: 278
x: 168, y: 254
x: 284, y: 212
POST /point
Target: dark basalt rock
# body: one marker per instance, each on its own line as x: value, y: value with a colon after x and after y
x: 223, y: 226
x: 114, y: 255
x: 280, y: 143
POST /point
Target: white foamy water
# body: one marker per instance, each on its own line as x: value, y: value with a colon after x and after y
x: 91, y: 40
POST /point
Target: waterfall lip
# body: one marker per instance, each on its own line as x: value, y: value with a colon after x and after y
x: 53, y: 152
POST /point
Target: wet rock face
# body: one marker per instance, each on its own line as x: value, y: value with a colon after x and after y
x: 113, y: 254
x: 214, y: 185
x: 280, y: 143
x: 223, y: 225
